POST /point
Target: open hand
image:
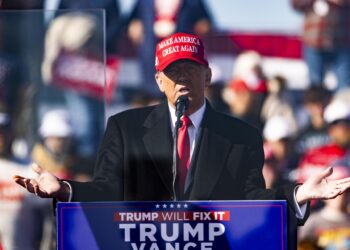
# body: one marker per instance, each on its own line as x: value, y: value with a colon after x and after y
x: 45, y: 185
x: 319, y: 188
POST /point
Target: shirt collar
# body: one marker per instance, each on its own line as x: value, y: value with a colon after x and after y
x: 196, y: 117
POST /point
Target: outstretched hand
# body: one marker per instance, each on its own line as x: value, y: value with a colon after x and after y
x: 319, y: 188
x: 45, y: 185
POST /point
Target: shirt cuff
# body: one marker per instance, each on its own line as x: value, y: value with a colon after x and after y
x: 70, y: 191
x: 299, y: 210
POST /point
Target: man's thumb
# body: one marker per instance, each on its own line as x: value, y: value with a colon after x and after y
x: 325, y: 173
x: 37, y: 169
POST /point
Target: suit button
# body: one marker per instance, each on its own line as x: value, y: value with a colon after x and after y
x: 171, y: 197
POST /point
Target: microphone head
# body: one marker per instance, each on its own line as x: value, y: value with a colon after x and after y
x: 181, y: 105
x: 182, y: 100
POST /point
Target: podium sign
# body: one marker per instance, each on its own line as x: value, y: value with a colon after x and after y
x: 172, y: 225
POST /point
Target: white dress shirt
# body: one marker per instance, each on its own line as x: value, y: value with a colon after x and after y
x: 193, y: 131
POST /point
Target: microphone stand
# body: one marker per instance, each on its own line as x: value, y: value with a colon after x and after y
x: 181, y: 106
x: 178, y: 124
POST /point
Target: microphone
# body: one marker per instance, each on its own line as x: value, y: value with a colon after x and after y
x: 181, y: 105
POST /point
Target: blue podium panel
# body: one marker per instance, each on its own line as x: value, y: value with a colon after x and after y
x: 238, y: 225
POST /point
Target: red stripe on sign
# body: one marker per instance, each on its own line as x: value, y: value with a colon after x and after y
x: 274, y: 45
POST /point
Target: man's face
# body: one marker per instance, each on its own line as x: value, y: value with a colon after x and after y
x: 184, y: 77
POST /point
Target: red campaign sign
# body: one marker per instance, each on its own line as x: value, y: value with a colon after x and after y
x: 86, y: 75
x: 10, y: 191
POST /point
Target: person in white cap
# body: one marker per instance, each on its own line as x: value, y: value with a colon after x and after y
x: 337, y: 115
x: 245, y: 93
x: 56, y: 133
x: 279, y: 135
x: 53, y: 152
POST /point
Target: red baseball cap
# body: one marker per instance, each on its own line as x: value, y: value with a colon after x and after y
x: 318, y: 159
x: 179, y: 46
x: 255, y: 85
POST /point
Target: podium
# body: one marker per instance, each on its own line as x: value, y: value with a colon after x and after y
x: 238, y: 225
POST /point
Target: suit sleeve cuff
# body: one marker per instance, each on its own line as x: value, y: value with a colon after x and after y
x: 299, y: 210
x: 70, y: 191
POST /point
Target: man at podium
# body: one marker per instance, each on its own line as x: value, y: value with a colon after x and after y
x: 216, y: 157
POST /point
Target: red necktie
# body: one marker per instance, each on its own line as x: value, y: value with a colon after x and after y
x: 183, y: 149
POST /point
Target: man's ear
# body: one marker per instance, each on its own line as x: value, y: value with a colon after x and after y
x: 208, y: 75
x: 159, y: 81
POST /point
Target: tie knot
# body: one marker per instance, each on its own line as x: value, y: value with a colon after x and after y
x: 186, y: 121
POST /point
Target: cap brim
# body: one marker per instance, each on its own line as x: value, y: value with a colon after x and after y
x: 166, y: 63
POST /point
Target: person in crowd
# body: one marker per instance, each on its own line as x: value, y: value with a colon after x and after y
x: 15, y: 90
x: 326, y: 39
x: 54, y: 151
x: 153, y: 20
x: 214, y: 95
x: 214, y: 91
x: 337, y: 116
x: 114, y: 20
x: 314, y: 134
x: 143, y: 99
x: 73, y: 69
x: 220, y: 158
x: 11, y: 197
x: 246, y: 92
x: 279, y: 101
x: 6, y: 134
x: 280, y: 160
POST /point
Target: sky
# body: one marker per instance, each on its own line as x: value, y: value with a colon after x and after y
x: 249, y: 15
x: 252, y: 15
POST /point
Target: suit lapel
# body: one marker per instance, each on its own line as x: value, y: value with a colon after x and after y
x: 212, y: 151
x: 158, y: 142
